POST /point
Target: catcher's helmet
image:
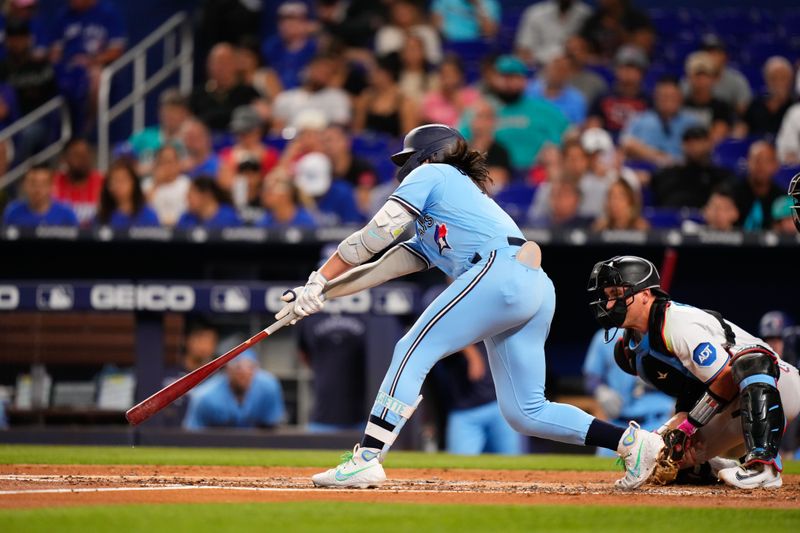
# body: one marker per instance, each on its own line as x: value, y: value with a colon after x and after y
x: 633, y: 274
x: 794, y: 192
x: 431, y: 141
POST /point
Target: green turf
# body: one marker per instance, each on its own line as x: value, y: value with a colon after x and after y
x: 368, y: 517
x: 109, y: 455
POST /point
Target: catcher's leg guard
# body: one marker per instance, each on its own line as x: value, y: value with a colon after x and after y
x: 403, y: 410
x: 756, y: 372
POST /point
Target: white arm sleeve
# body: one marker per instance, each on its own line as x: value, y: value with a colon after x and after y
x: 387, y: 225
x: 397, y: 262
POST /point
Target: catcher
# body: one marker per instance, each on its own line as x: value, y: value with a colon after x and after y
x: 734, y: 394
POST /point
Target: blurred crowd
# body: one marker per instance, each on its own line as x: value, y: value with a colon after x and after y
x: 602, y: 118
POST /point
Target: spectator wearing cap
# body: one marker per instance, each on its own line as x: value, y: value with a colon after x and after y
x: 166, y: 189
x: 247, y: 127
x: 771, y: 328
x: 616, y: 23
x: 316, y: 93
x: 758, y: 191
x: 383, y: 108
x: 524, y: 124
x: 483, y: 126
x: 214, y: 101
x: 78, y: 182
x: 199, y: 157
x: 292, y: 48
x: 38, y: 208
x: 782, y: 220
x: 33, y: 81
x: 208, y: 206
x: 247, y: 397
x: 656, y: 136
x: 173, y: 111
x: 765, y: 113
x: 587, y: 81
x: 554, y: 87
x: 614, y: 110
x: 689, y: 183
x: 122, y: 203
x: 548, y: 24
x: 334, y: 200
x: 709, y: 111
x: 445, y: 104
x: 466, y: 20
x: 731, y: 87
x: 281, y: 199
x: 406, y: 17
x: 606, y: 163
x: 720, y: 212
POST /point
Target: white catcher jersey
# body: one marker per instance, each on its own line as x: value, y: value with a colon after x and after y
x: 697, y: 339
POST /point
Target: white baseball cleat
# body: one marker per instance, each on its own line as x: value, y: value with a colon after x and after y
x: 638, y: 449
x: 718, y: 464
x: 360, y: 468
x: 755, y: 476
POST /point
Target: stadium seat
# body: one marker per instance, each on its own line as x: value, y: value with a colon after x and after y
x: 377, y: 149
x: 662, y: 217
x: 516, y: 199
x: 785, y: 175
x: 276, y: 141
x: 471, y: 54
x: 732, y: 153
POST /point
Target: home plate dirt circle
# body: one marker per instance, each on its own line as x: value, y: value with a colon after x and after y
x: 24, y: 486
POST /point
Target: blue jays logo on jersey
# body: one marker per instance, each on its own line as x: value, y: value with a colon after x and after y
x: 705, y: 354
x: 440, y: 237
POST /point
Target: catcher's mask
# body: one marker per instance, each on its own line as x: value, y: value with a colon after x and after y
x: 431, y: 142
x: 794, y: 192
x: 630, y: 273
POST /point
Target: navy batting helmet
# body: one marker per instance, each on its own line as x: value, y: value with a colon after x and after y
x: 794, y: 192
x: 429, y: 142
x: 633, y: 274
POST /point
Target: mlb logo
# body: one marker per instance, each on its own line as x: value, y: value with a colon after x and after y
x: 230, y: 299
x: 705, y: 354
x: 55, y: 297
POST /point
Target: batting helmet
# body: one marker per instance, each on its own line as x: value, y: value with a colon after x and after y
x: 429, y: 142
x: 794, y: 192
x: 633, y: 274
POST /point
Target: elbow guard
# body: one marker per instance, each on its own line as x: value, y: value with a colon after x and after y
x: 387, y: 224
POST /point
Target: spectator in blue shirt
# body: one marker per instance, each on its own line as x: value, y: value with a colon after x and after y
x: 554, y: 87
x: 620, y: 396
x: 208, y: 206
x: 38, y: 208
x: 281, y: 199
x: 292, y: 48
x: 245, y: 397
x: 335, y: 198
x: 466, y: 20
x: 122, y: 203
x: 656, y: 136
x: 199, y: 158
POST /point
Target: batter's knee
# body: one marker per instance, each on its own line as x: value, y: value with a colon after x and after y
x: 523, y: 420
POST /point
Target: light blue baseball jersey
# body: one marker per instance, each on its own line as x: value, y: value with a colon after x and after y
x: 455, y: 219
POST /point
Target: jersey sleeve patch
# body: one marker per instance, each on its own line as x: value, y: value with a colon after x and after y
x: 705, y: 354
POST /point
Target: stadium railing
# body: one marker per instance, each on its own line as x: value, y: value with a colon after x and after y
x: 57, y: 105
x: 176, y: 38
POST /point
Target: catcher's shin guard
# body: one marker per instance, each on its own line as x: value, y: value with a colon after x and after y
x: 756, y: 372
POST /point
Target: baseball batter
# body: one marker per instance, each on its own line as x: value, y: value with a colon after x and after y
x: 734, y: 394
x: 500, y: 295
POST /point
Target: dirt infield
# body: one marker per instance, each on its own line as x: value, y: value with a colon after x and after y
x: 25, y: 486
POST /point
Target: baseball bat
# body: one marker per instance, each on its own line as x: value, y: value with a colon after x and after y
x: 155, y: 403
x: 668, y: 268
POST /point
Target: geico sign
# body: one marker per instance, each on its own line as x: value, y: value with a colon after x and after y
x: 9, y: 297
x: 142, y: 297
x: 355, y: 303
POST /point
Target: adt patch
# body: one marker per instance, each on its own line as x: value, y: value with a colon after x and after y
x: 705, y: 354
